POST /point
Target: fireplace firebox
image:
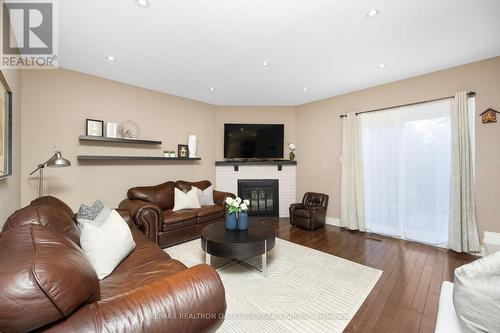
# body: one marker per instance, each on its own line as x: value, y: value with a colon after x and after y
x: 263, y: 195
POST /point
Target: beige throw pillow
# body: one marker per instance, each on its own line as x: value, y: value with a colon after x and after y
x: 206, y: 196
x: 187, y: 200
x: 106, y: 245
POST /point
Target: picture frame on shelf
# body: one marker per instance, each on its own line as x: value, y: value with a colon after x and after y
x: 94, y: 127
x: 182, y: 151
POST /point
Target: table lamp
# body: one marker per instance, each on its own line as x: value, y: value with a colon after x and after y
x: 56, y: 161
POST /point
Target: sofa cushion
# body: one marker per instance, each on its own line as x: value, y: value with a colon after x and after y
x: 44, y: 277
x: 144, y: 252
x: 45, y: 215
x: 179, y: 219
x: 301, y: 213
x: 209, y: 213
x: 476, y: 294
x: 138, y: 276
x: 160, y: 195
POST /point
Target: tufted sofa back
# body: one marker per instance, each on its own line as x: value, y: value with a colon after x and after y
x: 162, y: 195
x: 313, y: 199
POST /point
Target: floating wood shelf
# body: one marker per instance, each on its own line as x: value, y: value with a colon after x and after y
x: 118, y: 140
x: 134, y: 158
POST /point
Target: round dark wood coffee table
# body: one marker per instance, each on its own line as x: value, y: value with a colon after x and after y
x: 238, y: 245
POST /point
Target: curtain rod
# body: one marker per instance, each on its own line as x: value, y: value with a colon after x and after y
x: 470, y: 94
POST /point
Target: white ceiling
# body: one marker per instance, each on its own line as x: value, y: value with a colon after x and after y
x: 184, y: 47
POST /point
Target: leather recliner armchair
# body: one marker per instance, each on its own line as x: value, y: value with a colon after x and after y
x: 311, y: 212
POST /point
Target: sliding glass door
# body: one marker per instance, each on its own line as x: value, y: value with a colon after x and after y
x: 407, y: 171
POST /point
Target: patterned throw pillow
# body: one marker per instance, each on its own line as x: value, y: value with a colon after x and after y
x: 90, y: 212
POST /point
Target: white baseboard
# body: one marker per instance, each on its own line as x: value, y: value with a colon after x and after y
x: 484, y: 251
x: 332, y: 221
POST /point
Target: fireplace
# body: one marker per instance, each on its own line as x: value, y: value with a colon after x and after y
x: 263, y: 195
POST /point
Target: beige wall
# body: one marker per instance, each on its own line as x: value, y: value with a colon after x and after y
x: 57, y: 102
x: 55, y: 105
x: 254, y: 115
x: 10, y: 190
x: 318, y: 131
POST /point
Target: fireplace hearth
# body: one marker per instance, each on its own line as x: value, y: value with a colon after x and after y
x: 263, y: 195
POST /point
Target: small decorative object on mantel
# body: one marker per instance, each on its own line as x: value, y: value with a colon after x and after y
x: 129, y: 130
x: 94, y: 127
x: 166, y: 153
x: 192, y: 145
x: 183, y: 151
x: 111, y: 130
x: 292, y: 151
x: 489, y: 116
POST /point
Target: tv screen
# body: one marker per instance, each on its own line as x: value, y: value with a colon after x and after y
x: 253, y: 141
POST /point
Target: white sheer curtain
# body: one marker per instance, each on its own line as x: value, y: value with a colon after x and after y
x: 351, y: 205
x: 407, y: 170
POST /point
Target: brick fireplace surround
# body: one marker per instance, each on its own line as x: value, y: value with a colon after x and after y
x: 227, y: 176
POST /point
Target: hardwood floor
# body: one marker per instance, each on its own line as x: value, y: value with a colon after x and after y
x: 405, y: 299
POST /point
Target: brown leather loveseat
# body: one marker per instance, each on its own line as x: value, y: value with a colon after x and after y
x: 47, y: 284
x: 151, y: 209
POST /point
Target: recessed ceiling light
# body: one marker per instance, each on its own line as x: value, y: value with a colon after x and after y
x: 110, y: 58
x: 211, y: 88
x: 143, y: 3
x: 305, y: 89
x: 265, y: 63
x: 381, y: 66
x: 372, y: 13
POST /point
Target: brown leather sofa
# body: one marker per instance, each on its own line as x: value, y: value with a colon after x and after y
x: 151, y: 209
x: 47, y: 284
x: 311, y: 213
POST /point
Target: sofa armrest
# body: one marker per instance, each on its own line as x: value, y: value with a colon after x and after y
x: 220, y: 197
x: 146, y: 216
x: 317, y: 215
x: 292, y: 208
x: 188, y: 301
x: 295, y: 206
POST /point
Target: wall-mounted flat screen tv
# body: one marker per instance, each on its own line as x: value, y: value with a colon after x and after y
x: 253, y: 141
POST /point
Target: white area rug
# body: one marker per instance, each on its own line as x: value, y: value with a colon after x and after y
x: 305, y: 290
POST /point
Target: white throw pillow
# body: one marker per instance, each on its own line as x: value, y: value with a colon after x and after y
x: 107, y: 244
x: 476, y: 294
x: 186, y: 200
x: 206, y: 196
